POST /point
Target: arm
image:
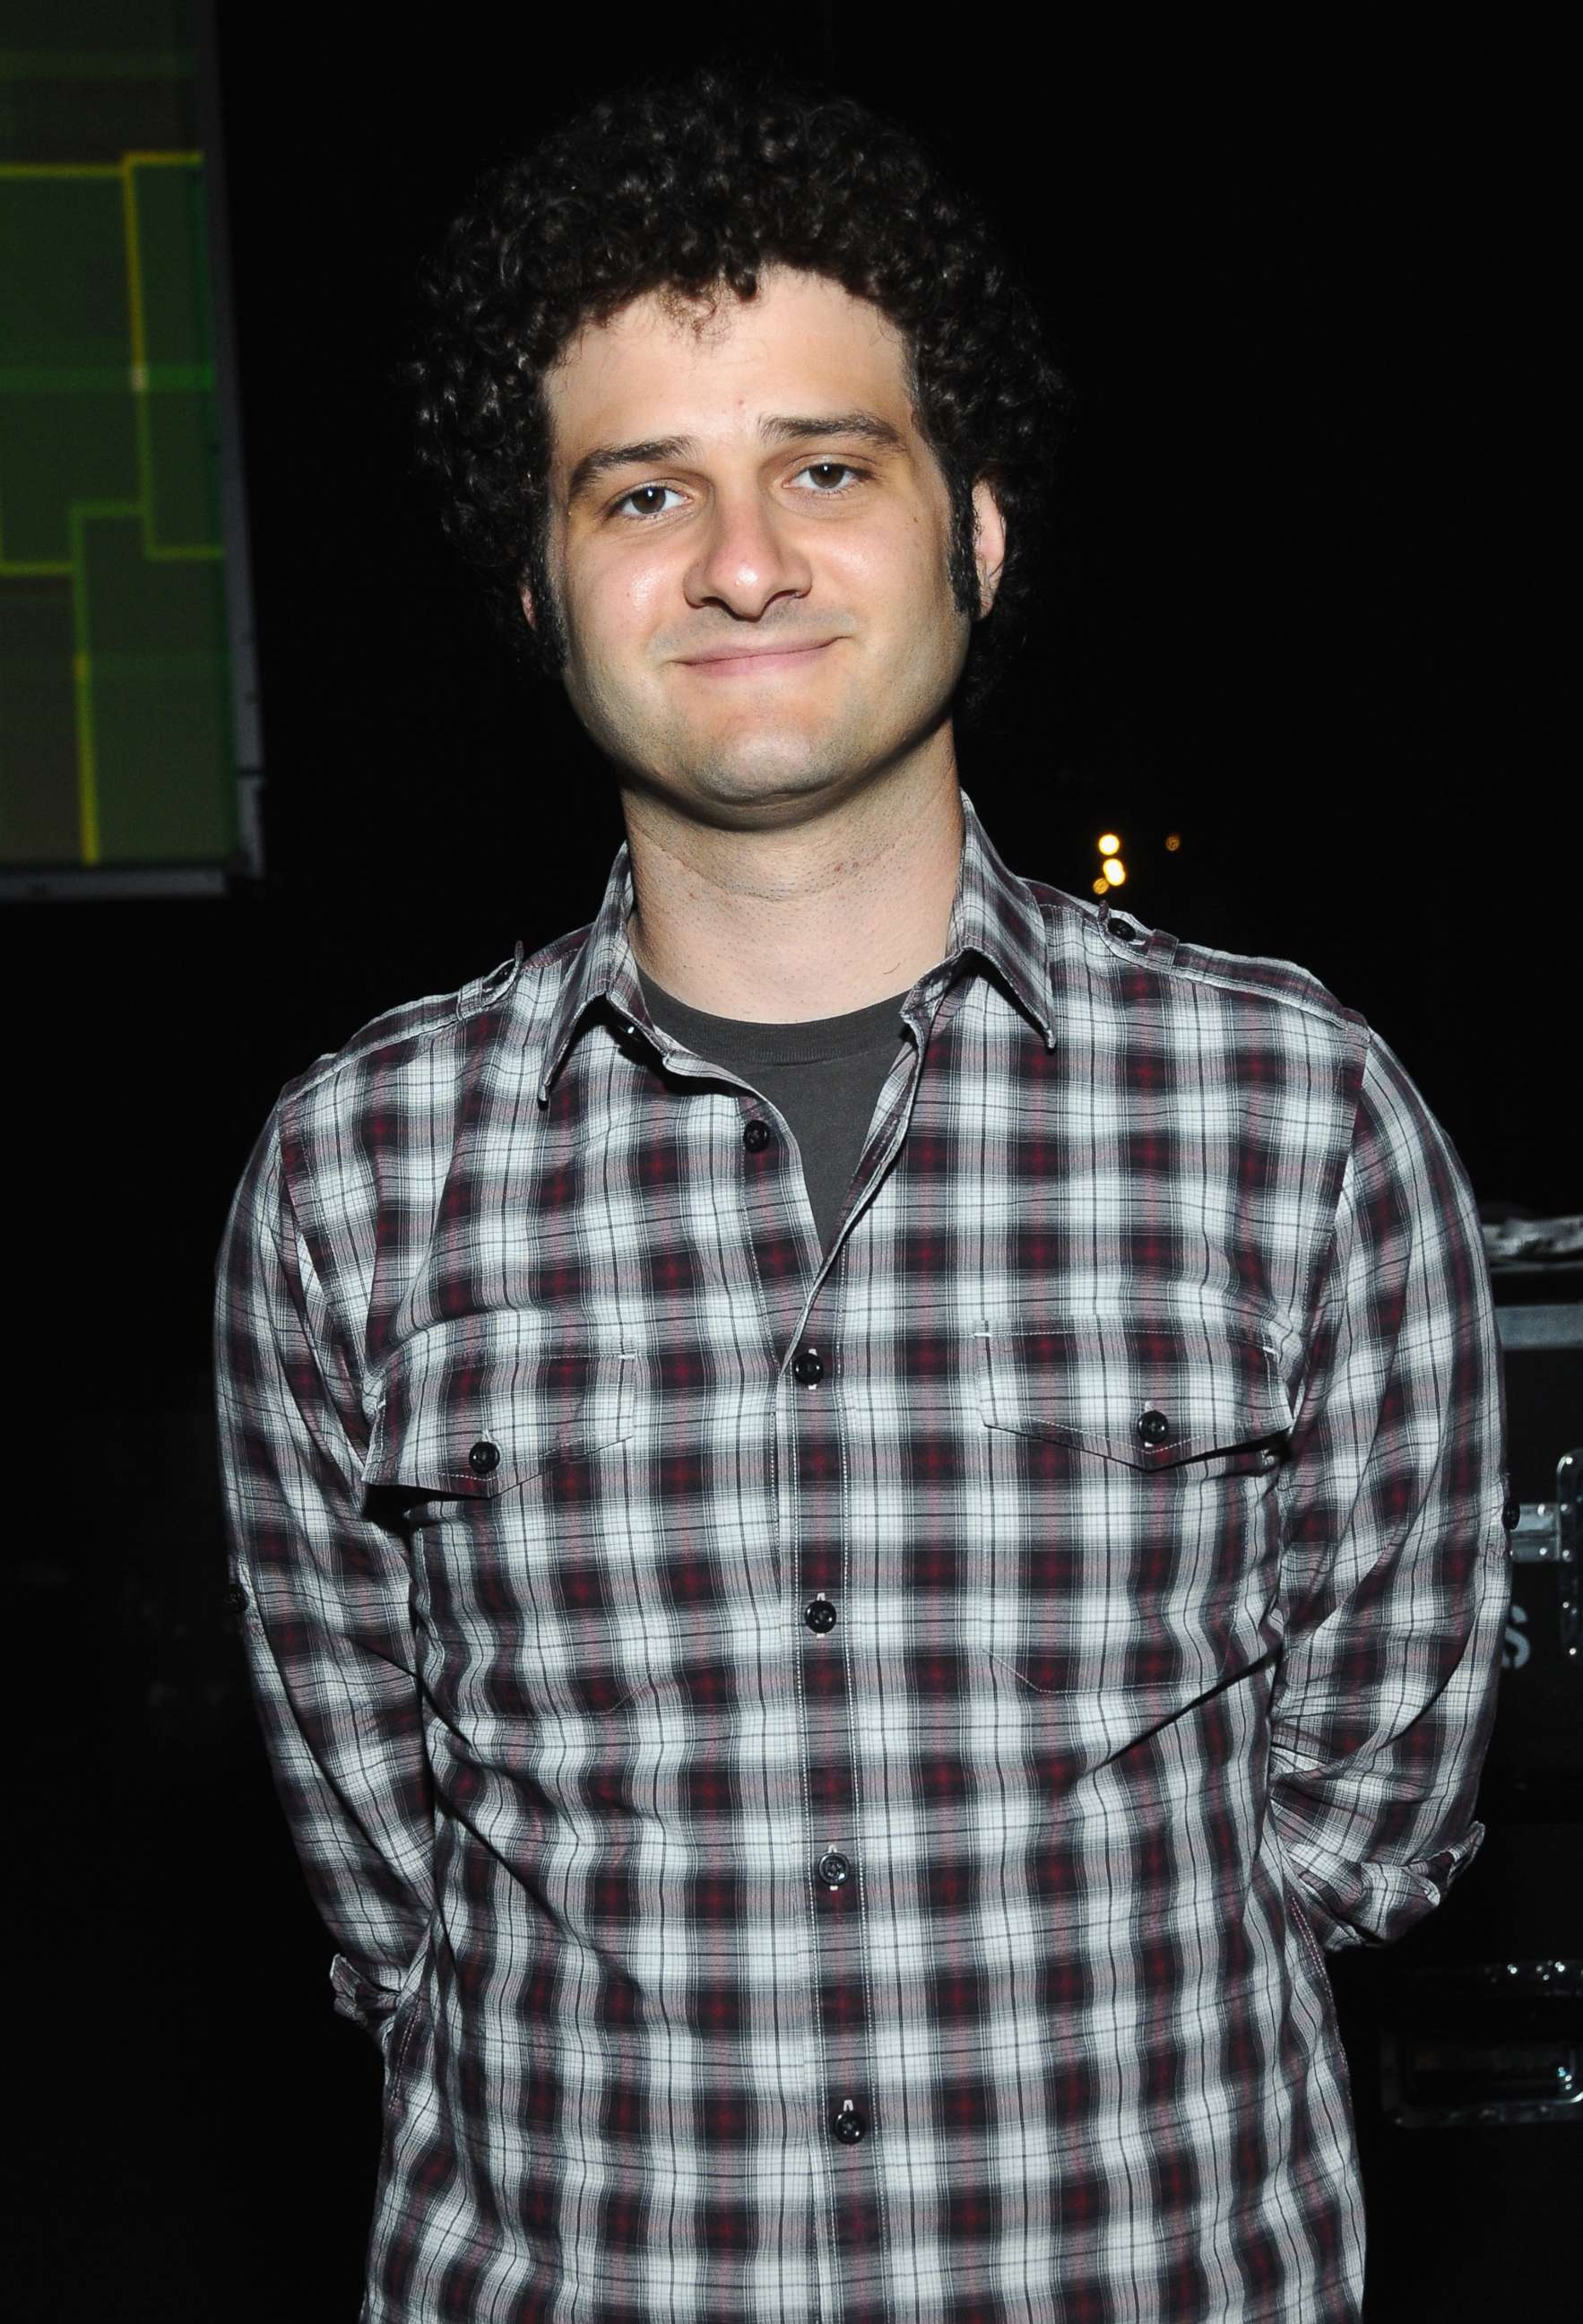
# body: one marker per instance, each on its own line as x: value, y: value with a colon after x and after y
x: 1395, y: 1577
x: 326, y: 1626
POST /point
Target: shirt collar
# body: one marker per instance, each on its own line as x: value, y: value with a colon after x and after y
x: 995, y: 919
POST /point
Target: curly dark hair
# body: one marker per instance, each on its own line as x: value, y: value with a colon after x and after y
x: 694, y: 185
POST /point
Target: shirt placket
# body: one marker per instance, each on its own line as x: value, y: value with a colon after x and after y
x: 823, y: 1996
x: 804, y: 1311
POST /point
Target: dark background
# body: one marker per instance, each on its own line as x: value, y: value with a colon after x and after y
x: 1300, y: 609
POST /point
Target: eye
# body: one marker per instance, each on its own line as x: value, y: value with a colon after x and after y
x: 648, y: 492
x: 833, y: 468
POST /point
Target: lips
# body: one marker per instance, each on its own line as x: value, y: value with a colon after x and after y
x: 757, y: 663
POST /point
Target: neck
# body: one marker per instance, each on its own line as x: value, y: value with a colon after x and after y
x: 845, y: 905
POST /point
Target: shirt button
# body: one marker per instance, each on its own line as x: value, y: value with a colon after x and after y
x: 819, y: 1614
x: 835, y: 1869
x: 757, y: 1137
x: 485, y: 1458
x: 849, y: 2124
x: 1512, y: 1515
x: 236, y: 1597
x: 1153, y: 1427
x: 808, y: 1366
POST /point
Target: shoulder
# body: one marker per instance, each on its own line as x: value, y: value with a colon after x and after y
x: 1256, y: 1019
x: 1134, y: 957
x: 376, y: 1122
x: 439, y: 1034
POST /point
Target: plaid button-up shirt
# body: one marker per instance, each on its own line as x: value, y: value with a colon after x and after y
x: 829, y: 1773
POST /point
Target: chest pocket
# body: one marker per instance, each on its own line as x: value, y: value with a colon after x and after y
x: 1132, y: 1543
x: 502, y: 1452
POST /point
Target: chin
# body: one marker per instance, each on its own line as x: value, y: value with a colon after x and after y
x: 760, y: 766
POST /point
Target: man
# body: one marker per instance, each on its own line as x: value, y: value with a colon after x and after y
x: 868, y: 1498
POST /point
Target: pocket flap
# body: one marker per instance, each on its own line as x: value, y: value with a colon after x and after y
x: 475, y: 1411
x: 1153, y: 1392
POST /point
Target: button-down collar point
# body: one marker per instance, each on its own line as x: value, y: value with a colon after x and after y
x: 493, y: 986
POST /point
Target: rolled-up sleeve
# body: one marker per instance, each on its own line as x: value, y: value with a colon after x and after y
x: 324, y: 1598
x: 1395, y: 1575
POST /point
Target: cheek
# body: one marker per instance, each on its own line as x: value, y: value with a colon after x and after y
x: 644, y: 591
x: 901, y: 565
x: 613, y: 610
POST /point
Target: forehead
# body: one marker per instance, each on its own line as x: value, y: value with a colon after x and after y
x: 671, y: 364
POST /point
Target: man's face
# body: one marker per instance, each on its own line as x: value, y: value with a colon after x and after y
x: 753, y: 486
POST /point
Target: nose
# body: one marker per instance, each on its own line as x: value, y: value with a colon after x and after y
x: 746, y: 558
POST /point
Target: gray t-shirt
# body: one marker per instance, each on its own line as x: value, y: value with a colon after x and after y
x: 823, y: 1075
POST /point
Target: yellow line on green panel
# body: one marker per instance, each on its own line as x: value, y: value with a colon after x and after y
x: 87, y: 788
x: 150, y: 161
x: 138, y: 336
x: 28, y: 568
x: 59, y: 169
x: 87, y: 782
x: 134, y: 270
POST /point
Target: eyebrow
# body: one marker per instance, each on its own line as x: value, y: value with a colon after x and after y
x: 780, y: 428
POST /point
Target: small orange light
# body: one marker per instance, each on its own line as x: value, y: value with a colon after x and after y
x: 1174, y: 843
x: 1115, y: 871
x: 1108, y: 844
x: 1101, y: 887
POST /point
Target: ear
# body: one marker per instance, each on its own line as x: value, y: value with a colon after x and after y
x: 988, y: 543
x: 526, y: 595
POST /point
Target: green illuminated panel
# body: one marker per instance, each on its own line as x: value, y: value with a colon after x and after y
x: 160, y: 703
x: 39, y: 818
x: 115, y: 733
x: 67, y: 415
